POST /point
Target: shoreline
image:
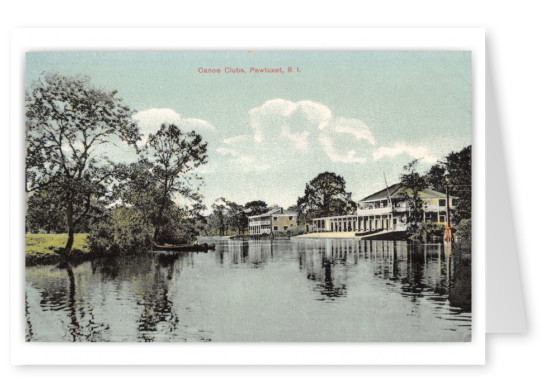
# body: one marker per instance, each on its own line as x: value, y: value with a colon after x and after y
x: 329, y: 235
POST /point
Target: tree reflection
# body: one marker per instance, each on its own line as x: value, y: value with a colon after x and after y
x: 460, y: 284
x: 29, y: 326
x: 412, y: 283
x: 438, y: 272
x: 158, y: 317
x: 327, y: 267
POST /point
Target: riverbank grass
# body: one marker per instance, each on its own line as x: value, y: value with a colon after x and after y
x: 45, y: 248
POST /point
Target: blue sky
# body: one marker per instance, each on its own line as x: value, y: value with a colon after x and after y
x: 357, y: 114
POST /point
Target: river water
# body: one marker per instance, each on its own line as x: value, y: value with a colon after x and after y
x: 283, y: 290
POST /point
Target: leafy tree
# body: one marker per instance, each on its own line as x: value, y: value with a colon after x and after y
x: 219, y: 218
x: 237, y: 218
x: 254, y: 208
x: 182, y: 224
x: 455, y: 174
x: 170, y: 157
x: 122, y: 230
x: 325, y: 195
x: 413, y: 184
x: 436, y: 178
x: 67, y: 120
x: 429, y: 231
x: 293, y: 208
x: 43, y: 214
x: 464, y: 230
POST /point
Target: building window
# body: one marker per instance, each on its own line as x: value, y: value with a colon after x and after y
x: 441, y: 202
x: 290, y: 217
x: 276, y: 228
x: 285, y: 227
x: 275, y: 218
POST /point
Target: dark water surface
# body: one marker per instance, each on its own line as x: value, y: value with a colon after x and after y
x: 284, y: 290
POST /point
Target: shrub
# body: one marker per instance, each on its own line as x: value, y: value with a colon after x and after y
x: 122, y: 231
x: 429, y: 231
x: 463, y: 230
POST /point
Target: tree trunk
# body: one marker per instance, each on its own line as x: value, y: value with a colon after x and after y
x: 158, y: 222
x: 70, y: 231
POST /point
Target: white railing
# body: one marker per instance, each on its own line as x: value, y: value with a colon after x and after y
x: 436, y: 208
x: 259, y: 222
x: 401, y: 208
x: 375, y: 211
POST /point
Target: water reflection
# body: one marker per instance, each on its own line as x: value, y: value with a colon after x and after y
x: 258, y: 291
x: 157, y: 315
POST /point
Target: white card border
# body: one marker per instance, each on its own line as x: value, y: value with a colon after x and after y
x: 33, y: 39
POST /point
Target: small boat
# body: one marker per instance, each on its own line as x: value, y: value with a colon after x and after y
x: 183, y: 247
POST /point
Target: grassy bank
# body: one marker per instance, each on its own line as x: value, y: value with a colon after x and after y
x: 45, y: 248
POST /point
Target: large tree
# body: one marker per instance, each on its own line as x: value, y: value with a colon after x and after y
x: 219, y: 219
x: 254, y: 208
x: 170, y: 157
x: 325, y: 195
x: 237, y: 217
x: 454, y: 173
x: 67, y: 120
x: 413, y: 184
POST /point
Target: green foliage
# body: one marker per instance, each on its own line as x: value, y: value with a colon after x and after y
x: 44, y: 214
x: 166, y: 168
x: 325, y: 195
x: 414, y: 184
x: 181, y: 225
x: 121, y: 231
x: 254, y: 208
x: 463, y: 230
x: 237, y: 218
x: 67, y: 119
x: 429, y: 232
x: 456, y: 174
x: 218, y: 219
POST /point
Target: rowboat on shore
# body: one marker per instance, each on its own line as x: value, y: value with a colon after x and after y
x: 183, y: 247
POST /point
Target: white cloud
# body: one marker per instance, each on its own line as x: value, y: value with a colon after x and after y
x: 354, y: 127
x: 285, y: 133
x: 349, y: 157
x: 316, y: 112
x: 243, y: 161
x: 151, y: 120
x: 299, y: 139
x: 296, y: 124
x: 416, y: 152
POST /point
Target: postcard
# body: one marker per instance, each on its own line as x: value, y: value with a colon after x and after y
x: 232, y: 196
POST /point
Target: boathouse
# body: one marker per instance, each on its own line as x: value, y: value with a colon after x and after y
x: 276, y: 220
x: 386, y: 210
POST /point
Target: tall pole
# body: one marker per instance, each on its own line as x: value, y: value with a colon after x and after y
x: 448, y: 230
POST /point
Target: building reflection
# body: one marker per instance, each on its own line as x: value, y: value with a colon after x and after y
x: 327, y: 265
x: 431, y: 271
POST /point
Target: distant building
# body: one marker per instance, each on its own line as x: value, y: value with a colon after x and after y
x: 276, y: 220
x: 386, y: 210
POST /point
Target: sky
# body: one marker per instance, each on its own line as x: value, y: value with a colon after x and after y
x: 360, y: 115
